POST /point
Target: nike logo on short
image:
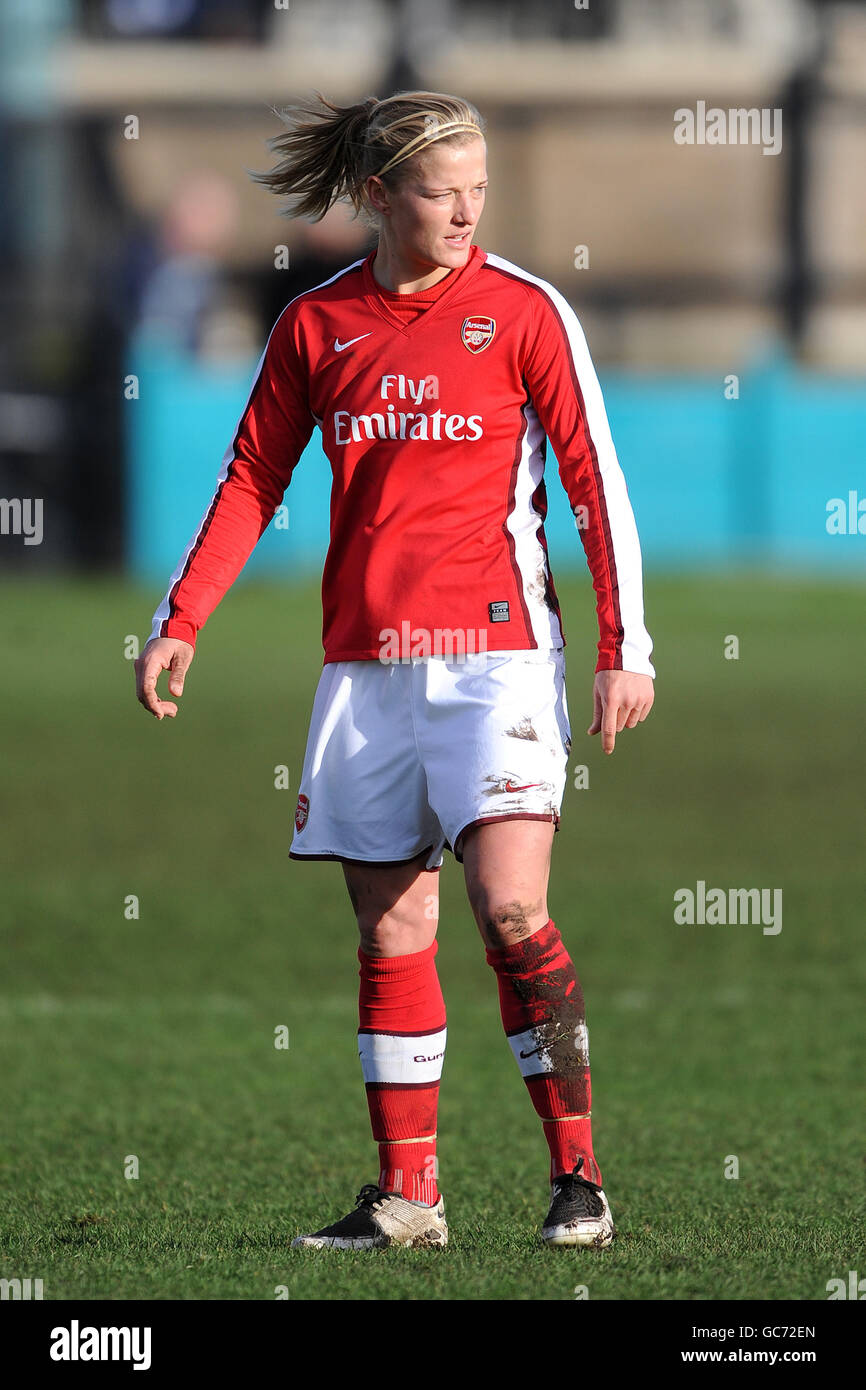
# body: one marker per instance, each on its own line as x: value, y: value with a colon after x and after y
x: 510, y: 786
x: 338, y: 346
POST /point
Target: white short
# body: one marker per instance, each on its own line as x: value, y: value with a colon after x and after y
x: 404, y: 757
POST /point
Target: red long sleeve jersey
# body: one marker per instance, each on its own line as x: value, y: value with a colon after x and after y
x: 436, y: 434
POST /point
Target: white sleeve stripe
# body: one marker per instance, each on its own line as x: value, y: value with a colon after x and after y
x: 525, y: 527
x: 621, y: 539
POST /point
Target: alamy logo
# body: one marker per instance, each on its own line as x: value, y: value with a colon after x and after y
x: 76, y: 1343
x: 846, y: 517
x: 22, y: 516
x: 718, y: 907
x: 20, y: 1289
x: 856, y: 1287
x: 737, y: 126
x: 420, y: 643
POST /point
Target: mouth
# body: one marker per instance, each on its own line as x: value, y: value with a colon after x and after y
x: 459, y: 239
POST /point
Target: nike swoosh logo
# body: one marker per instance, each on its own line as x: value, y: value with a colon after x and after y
x: 338, y: 346
x: 510, y: 786
x: 544, y: 1046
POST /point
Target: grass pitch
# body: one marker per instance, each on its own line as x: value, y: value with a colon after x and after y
x: 147, y: 1044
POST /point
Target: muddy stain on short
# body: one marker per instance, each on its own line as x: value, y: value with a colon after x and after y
x: 506, y: 784
x: 523, y: 729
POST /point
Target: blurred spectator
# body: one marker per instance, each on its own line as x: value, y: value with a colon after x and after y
x: 319, y: 250
x: 179, y: 19
x: 185, y: 304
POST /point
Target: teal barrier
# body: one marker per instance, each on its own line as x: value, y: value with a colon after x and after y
x: 713, y: 481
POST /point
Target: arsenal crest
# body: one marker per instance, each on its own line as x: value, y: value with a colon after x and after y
x: 477, y: 333
x: 301, y: 812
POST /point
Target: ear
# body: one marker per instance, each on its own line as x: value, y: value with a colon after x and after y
x: 377, y: 194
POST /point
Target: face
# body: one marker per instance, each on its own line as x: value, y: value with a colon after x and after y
x: 430, y: 219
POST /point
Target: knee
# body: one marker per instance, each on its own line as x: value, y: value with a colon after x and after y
x: 382, y: 937
x: 396, y: 907
x: 502, y: 923
x: 390, y: 933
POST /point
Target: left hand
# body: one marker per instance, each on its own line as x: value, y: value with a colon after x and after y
x: 620, y: 700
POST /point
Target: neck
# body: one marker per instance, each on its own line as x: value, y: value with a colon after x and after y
x: 404, y: 275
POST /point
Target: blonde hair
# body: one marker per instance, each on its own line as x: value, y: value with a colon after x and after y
x: 330, y: 151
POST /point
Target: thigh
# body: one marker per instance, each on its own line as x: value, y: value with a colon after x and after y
x: 495, y: 738
x: 507, y: 868
x: 397, y: 906
x: 363, y: 792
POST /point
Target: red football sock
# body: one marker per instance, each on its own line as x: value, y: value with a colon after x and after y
x: 544, y: 1019
x: 401, y: 1039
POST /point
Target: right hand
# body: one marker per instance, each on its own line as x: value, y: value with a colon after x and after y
x: 162, y: 654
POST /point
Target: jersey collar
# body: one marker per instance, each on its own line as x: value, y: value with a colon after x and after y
x: 477, y: 257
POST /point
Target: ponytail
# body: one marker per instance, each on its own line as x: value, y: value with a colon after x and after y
x: 329, y: 152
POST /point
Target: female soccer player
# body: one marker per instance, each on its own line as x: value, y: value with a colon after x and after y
x: 436, y: 373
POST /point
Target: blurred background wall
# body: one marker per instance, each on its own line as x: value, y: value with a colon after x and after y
x: 722, y: 285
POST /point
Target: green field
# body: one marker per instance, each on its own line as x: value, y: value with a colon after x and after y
x: 154, y: 1037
